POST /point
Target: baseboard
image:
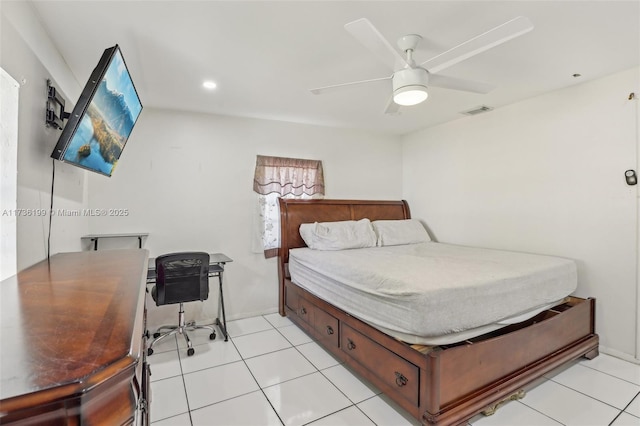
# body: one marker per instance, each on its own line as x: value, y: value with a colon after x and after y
x: 622, y: 355
x: 251, y: 314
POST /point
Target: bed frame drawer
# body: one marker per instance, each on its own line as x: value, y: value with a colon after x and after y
x: 298, y: 304
x: 389, y: 367
x: 291, y: 297
x: 327, y: 327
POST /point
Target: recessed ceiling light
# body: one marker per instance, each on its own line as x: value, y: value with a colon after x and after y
x: 209, y: 84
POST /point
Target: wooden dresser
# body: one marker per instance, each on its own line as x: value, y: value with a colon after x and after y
x: 72, y: 336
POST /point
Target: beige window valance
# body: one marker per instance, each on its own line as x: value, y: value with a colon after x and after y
x: 285, y: 176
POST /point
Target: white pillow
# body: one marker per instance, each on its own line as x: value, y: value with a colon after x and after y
x: 306, y: 232
x: 396, y: 232
x: 346, y: 234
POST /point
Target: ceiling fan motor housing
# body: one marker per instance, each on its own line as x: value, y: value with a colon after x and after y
x: 410, y: 77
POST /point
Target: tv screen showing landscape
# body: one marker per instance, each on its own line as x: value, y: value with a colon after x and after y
x: 102, y: 119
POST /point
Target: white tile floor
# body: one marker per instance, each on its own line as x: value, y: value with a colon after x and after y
x: 271, y: 373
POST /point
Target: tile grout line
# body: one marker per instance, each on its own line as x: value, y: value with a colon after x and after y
x: 184, y: 383
x: 353, y: 403
x: 629, y: 404
x: 609, y: 374
x: 188, y: 412
x: 322, y: 372
x: 237, y: 396
x: 591, y: 397
x: 254, y: 377
x: 541, y: 413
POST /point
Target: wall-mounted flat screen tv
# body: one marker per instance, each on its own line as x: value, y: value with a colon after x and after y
x: 102, y: 119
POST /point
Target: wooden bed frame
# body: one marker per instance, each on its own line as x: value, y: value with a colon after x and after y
x: 440, y: 385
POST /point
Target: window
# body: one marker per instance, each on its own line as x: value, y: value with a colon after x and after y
x: 277, y: 177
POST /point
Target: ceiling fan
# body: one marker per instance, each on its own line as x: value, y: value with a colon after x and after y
x: 410, y: 80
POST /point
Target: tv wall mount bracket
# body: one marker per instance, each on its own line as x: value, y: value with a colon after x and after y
x: 55, y: 113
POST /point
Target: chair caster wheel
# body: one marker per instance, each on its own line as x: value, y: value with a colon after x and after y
x: 149, y: 352
x: 190, y: 351
x: 156, y: 335
x: 212, y: 336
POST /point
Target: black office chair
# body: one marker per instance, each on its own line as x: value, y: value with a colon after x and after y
x: 180, y: 278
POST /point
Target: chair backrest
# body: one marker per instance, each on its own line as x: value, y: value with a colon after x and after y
x: 182, y: 277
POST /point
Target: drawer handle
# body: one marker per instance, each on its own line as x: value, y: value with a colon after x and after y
x: 400, y: 379
x: 350, y: 344
x: 329, y: 330
x: 303, y: 311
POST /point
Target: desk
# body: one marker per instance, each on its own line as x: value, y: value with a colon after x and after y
x: 216, y: 268
x: 73, y: 342
x: 95, y: 237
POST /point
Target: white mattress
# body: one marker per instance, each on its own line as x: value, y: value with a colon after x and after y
x: 434, y: 293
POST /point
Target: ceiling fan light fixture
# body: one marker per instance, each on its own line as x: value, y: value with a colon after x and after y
x: 410, y: 86
x: 410, y: 95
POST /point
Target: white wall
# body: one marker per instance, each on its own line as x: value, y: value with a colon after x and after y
x: 545, y: 175
x: 187, y: 179
x: 10, y: 94
x: 36, y: 141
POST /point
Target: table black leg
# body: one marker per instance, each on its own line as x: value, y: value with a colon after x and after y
x: 223, y: 325
x: 95, y: 244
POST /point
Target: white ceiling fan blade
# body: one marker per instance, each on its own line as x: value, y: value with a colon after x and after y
x: 392, y: 107
x: 485, y: 41
x: 364, y: 31
x: 454, y: 83
x: 321, y: 90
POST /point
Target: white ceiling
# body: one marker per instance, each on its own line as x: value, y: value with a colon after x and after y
x: 265, y: 55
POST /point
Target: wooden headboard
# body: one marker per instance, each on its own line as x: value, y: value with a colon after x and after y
x: 295, y: 212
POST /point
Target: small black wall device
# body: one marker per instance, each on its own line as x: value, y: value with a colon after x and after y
x: 631, y: 177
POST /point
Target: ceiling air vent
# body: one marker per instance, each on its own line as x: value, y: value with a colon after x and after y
x: 478, y: 110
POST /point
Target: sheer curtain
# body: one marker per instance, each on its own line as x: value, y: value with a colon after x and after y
x: 277, y: 177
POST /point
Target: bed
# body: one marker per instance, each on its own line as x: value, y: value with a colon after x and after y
x: 437, y: 375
